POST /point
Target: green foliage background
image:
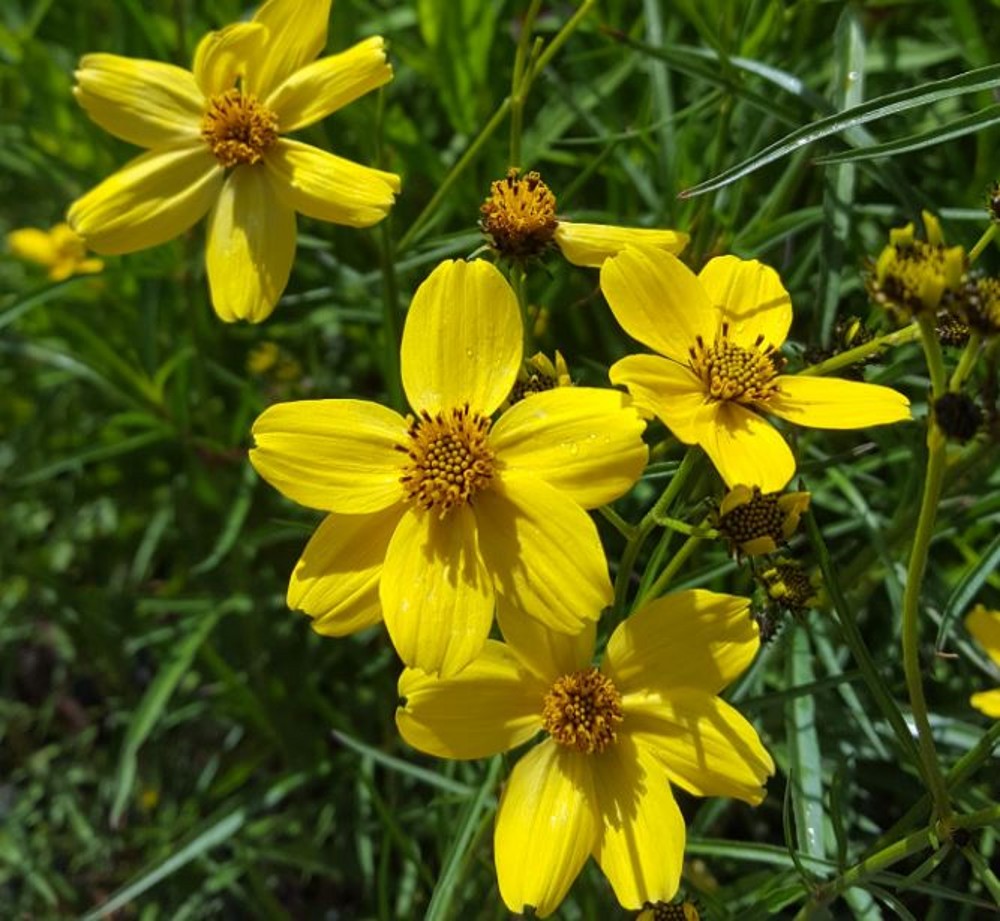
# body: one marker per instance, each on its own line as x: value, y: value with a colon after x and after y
x: 174, y: 739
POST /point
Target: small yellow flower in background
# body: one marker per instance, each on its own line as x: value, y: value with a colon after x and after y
x: 215, y: 146
x: 670, y: 911
x: 718, y: 335
x: 985, y: 628
x: 618, y: 737
x: 59, y: 250
x: 538, y: 374
x: 975, y: 305
x: 911, y: 276
x: 433, y: 517
x: 520, y: 219
x: 754, y: 522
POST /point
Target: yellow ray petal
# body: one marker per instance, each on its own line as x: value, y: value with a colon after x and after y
x: 663, y: 388
x: 335, y: 455
x: 744, y: 447
x: 640, y: 845
x: 545, y: 828
x: 296, y: 35
x: 987, y: 702
x: 222, y: 57
x: 750, y: 297
x: 330, y: 188
x: 707, y: 747
x: 693, y: 639
x: 584, y: 441
x: 152, y: 199
x: 462, y: 340
x: 34, y: 245
x: 329, y: 84
x: 336, y: 580
x: 143, y: 102
x: 658, y: 300
x: 543, y: 552
x: 250, y: 247
x: 590, y: 244
x: 831, y: 403
x: 437, y: 600
x: 491, y: 706
x: 544, y: 652
x: 985, y: 628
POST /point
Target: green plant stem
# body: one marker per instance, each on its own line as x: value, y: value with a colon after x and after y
x: 966, y: 363
x: 392, y: 321
x: 645, y: 526
x: 692, y: 530
x: 672, y: 568
x: 560, y: 38
x: 900, y: 336
x: 519, y: 282
x: 988, y: 236
x: 518, y: 86
x: 618, y: 523
x: 933, y: 479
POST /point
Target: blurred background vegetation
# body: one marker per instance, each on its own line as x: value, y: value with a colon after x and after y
x: 172, y: 738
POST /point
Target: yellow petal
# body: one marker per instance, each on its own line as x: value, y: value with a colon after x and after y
x: 250, y: 246
x: 437, y: 600
x: 641, y: 842
x: 985, y: 628
x: 32, y: 244
x: 750, y: 298
x: 152, y: 199
x: 330, y: 188
x: 584, y: 441
x: 462, y: 339
x: 691, y: 639
x: 329, y: 84
x: 544, y: 652
x: 546, y: 827
x: 335, y: 455
x: 143, y: 102
x: 296, y: 35
x: 831, y: 403
x: 744, y: 447
x: 491, y: 706
x: 590, y: 244
x: 987, y: 702
x: 222, y: 57
x: 658, y: 300
x: 336, y: 580
x: 663, y: 388
x: 543, y: 552
x: 707, y: 747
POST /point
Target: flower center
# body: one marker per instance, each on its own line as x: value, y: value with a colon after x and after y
x: 732, y: 372
x: 582, y: 711
x: 676, y: 911
x: 519, y: 217
x: 238, y: 129
x: 912, y: 275
x: 450, y: 459
x: 761, y: 516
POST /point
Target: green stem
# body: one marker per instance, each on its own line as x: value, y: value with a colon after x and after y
x: 620, y: 524
x: 682, y: 527
x: 519, y: 282
x: 671, y: 569
x: 989, y: 235
x: 391, y: 320
x: 518, y: 86
x: 907, y: 334
x: 560, y: 39
x: 966, y: 363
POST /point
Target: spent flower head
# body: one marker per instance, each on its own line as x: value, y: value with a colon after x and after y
x: 538, y: 374
x: 216, y: 145
x: 618, y: 736
x: 435, y: 516
x: 670, y: 911
x: 790, y: 585
x: 754, y: 522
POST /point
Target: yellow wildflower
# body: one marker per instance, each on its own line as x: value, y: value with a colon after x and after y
x: 718, y: 333
x: 985, y: 628
x: 59, y: 250
x: 520, y: 219
x: 789, y: 585
x: 618, y: 737
x: 433, y: 517
x: 754, y: 522
x: 215, y: 146
x: 538, y: 374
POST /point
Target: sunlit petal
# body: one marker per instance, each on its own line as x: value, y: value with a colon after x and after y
x: 546, y: 653
x: 663, y: 388
x: 984, y: 626
x: 222, y: 57
x: 987, y: 702
x: 590, y: 244
x: 335, y: 455
x: 744, y: 447
x: 750, y: 298
x: 296, y: 35
x: 462, y: 340
x: 831, y: 403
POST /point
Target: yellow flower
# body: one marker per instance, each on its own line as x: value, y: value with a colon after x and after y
x: 789, y: 585
x: 618, y: 737
x: 754, y: 522
x: 719, y: 333
x: 59, y: 250
x: 985, y: 628
x: 520, y: 219
x: 538, y: 374
x: 433, y: 517
x: 215, y: 146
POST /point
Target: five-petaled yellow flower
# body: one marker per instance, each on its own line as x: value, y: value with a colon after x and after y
x: 718, y: 333
x: 985, y: 627
x: 432, y: 517
x: 618, y: 737
x: 214, y: 146
x: 59, y: 250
